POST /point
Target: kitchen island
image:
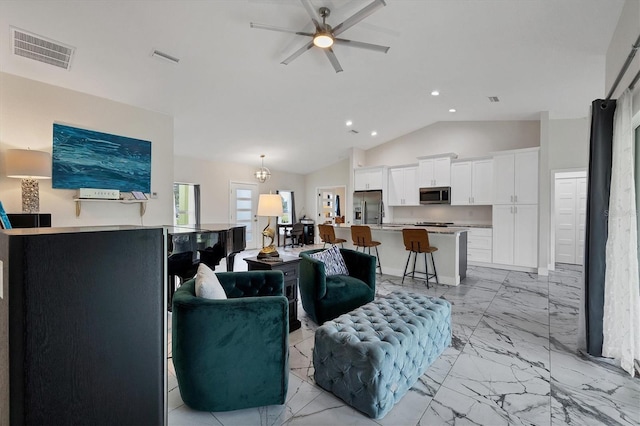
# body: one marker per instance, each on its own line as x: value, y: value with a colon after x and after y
x: 450, y: 259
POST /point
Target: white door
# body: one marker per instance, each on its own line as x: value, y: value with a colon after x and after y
x: 503, y: 229
x: 570, y: 219
x: 581, y: 215
x: 525, y: 236
x: 566, y: 223
x: 243, y: 206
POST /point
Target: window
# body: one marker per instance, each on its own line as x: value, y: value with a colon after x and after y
x: 186, y: 204
x: 288, y: 208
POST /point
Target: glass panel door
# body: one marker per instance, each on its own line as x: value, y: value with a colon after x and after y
x: 243, y: 204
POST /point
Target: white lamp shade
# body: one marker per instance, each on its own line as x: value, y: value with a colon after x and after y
x: 25, y: 163
x: 270, y: 205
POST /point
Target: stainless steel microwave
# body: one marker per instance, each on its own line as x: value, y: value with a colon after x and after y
x: 435, y: 195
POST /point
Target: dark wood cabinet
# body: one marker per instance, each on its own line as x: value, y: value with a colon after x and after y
x: 83, y: 326
x: 30, y: 220
x: 289, y: 267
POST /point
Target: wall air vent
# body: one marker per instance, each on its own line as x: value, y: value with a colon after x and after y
x: 165, y: 56
x: 41, y: 49
x: 493, y: 99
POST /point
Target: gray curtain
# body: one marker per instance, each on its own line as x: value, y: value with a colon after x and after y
x: 602, y: 113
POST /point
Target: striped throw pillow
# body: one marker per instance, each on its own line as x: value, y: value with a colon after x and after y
x: 333, y: 261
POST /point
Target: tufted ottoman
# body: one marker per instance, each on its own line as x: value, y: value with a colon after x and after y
x: 371, y: 356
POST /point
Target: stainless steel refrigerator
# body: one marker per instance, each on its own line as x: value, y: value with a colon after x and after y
x: 367, y: 207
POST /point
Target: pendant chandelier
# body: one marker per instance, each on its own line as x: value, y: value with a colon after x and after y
x: 263, y: 174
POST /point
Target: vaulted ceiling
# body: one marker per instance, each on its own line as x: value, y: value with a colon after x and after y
x: 232, y: 100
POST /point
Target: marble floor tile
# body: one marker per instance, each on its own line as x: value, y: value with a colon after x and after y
x: 301, y: 359
x: 260, y: 416
x: 328, y: 410
x: 185, y: 416
x: 429, y: 383
x: 480, y: 283
x: 523, y: 350
x: 574, y: 408
x: 580, y: 374
x: 449, y: 407
x: 487, y: 274
x: 524, y: 394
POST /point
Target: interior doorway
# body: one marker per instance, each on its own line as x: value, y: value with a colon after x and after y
x: 331, y: 203
x: 243, y: 206
x: 570, y: 207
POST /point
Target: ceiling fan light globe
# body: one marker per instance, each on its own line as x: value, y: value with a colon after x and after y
x: 323, y: 40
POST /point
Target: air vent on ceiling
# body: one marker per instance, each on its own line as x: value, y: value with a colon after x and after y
x: 493, y: 99
x: 41, y: 49
x: 165, y: 56
x: 353, y: 132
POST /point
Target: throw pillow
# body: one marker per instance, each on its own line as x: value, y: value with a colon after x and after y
x: 333, y: 261
x: 207, y: 284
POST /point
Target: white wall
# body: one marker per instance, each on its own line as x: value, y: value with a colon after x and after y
x: 214, y: 178
x: 569, y: 143
x: 28, y: 110
x: 465, y: 138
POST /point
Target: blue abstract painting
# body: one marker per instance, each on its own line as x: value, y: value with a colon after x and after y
x: 88, y: 159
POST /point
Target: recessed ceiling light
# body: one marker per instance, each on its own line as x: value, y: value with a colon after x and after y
x: 435, y: 93
x: 452, y: 110
x: 349, y: 123
x: 374, y: 133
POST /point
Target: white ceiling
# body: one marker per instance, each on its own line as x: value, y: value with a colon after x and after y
x: 232, y: 100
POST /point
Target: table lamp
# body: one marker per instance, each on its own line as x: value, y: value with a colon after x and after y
x: 29, y: 166
x: 269, y: 205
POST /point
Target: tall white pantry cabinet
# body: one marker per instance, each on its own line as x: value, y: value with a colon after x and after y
x: 515, y: 207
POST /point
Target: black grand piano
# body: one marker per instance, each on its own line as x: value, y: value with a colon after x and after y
x: 189, y: 246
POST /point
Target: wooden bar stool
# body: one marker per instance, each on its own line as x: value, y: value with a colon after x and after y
x: 328, y: 235
x: 417, y: 241
x: 361, y: 236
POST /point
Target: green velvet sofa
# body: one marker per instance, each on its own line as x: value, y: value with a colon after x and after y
x: 234, y: 353
x: 326, y: 297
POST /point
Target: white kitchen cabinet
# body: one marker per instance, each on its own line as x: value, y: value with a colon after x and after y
x: 472, y: 182
x: 369, y: 178
x: 515, y: 235
x: 515, y: 178
x: 403, y: 186
x: 480, y: 245
x: 434, y: 172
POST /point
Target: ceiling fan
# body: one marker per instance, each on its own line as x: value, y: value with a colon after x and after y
x: 325, y: 36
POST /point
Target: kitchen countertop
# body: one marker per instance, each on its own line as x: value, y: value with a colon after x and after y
x: 398, y: 227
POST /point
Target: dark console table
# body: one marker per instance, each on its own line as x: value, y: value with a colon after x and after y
x: 30, y: 220
x: 289, y: 267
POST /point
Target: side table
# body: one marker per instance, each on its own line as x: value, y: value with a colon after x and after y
x: 289, y: 265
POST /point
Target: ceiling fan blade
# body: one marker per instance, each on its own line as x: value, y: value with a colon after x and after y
x: 361, y: 45
x: 358, y: 16
x: 332, y: 59
x: 297, y: 53
x: 282, y: 30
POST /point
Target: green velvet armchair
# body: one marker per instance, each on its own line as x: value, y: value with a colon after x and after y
x: 326, y: 297
x: 234, y: 353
